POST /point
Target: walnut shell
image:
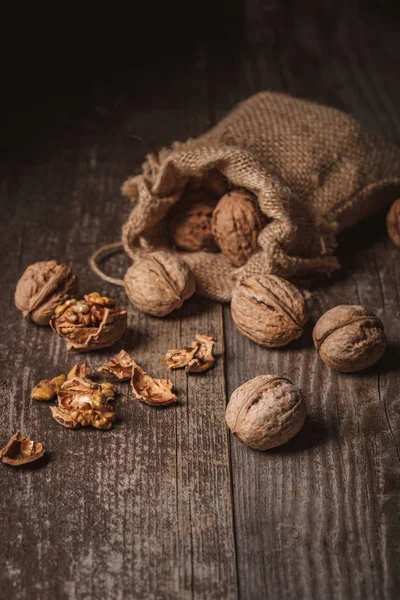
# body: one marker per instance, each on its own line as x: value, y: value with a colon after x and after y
x: 393, y: 223
x: 42, y: 287
x: 235, y: 224
x: 89, y: 324
x: 190, y: 228
x: 159, y: 283
x: 269, y: 310
x: 21, y: 451
x: 266, y: 412
x: 349, y: 338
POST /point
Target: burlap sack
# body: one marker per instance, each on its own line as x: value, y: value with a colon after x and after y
x: 314, y: 170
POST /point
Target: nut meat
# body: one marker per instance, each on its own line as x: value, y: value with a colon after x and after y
x: 159, y: 283
x: 20, y: 451
x: 349, y: 338
x: 269, y: 310
x: 196, y: 358
x: 266, y: 412
x: 82, y: 402
x: 47, y: 389
x: 42, y: 287
x: 236, y: 223
x: 89, y: 324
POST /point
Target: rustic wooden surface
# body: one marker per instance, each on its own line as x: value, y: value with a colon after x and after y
x: 167, y: 505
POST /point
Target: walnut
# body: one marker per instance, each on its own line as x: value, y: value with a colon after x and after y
x: 82, y: 402
x: 236, y: 223
x: 269, y: 310
x: 81, y: 371
x: 119, y: 367
x: 20, y: 451
x: 47, y: 389
x: 349, y: 338
x: 393, y: 223
x: 42, y: 287
x: 159, y: 283
x: 89, y: 324
x: 156, y: 392
x: 266, y: 412
x: 190, y: 228
x: 196, y: 357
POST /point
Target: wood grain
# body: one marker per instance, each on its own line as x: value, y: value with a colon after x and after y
x: 167, y: 505
x: 144, y: 510
x: 318, y: 518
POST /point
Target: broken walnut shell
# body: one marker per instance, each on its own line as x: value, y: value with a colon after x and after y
x: 190, y: 228
x: 77, y: 370
x: 393, y: 223
x: 266, y: 412
x: 47, y: 389
x: 119, y: 367
x: 269, y: 310
x: 196, y: 358
x: 42, y: 287
x: 20, y: 451
x: 159, y: 283
x: 349, y: 338
x: 236, y: 223
x: 92, y: 323
x: 155, y: 392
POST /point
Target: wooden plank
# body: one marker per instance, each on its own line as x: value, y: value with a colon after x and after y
x: 318, y: 518
x: 144, y: 510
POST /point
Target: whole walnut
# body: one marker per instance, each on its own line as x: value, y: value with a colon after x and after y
x: 89, y: 324
x: 393, y: 223
x: 235, y: 224
x: 42, y: 287
x: 190, y: 228
x: 349, y: 338
x: 269, y: 310
x: 266, y: 412
x: 159, y: 283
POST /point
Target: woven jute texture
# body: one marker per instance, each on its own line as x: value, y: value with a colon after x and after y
x: 314, y: 171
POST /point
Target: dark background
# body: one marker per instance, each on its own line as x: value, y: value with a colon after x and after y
x: 57, y: 64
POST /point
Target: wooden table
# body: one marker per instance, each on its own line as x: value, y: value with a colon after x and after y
x: 168, y: 505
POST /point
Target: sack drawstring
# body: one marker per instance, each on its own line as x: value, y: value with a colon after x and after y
x: 101, y: 254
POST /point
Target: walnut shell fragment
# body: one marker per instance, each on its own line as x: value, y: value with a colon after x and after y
x: 21, y: 450
x: 236, y: 223
x: 89, y: 324
x: 155, y: 392
x: 269, y: 310
x: 119, y: 367
x: 159, y: 283
x: 349, y: 338
x: 196, y: 358
x: 266, y: 412
x: 393, y: 223
x: 190, y: 228
x: 47, y: 389
x: 82, y: 402
x: 81, y: 371
x: 42, y: 287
